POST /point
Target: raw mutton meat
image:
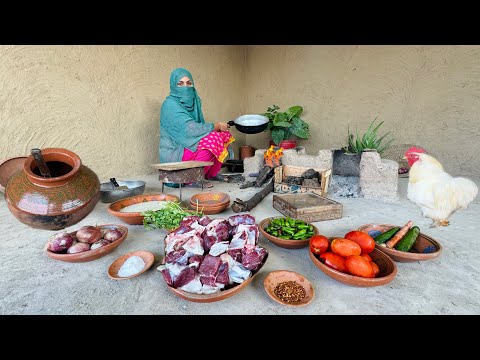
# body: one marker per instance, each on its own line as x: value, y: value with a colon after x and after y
x: 204, y: 256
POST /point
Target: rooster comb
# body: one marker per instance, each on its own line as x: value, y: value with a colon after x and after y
x: 415, y: 149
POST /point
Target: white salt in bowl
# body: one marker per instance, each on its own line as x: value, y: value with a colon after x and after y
x: 130, y: 265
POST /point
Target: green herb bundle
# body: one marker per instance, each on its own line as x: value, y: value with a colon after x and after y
x: 168, y: 217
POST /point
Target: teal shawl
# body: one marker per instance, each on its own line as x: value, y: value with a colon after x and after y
x: 182, y: 124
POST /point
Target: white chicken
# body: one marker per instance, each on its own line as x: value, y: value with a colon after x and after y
x: 436, y: 192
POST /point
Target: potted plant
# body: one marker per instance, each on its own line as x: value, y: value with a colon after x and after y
x: 368, y: 142
x: 346, y: 161
x: 286, y: 125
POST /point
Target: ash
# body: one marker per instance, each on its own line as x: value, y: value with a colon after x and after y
x: 344, y: 186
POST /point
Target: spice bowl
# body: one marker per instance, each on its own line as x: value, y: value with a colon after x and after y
x: 277, y: 280
x: 424, y: 248
x: 284, y: 243
x: 120, y: 266
x: 135, y: 217
x: 210, y: 202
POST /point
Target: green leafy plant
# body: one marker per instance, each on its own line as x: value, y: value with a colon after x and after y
x: 167, y: 217
x: 284, y: 125
x: 369, y: 140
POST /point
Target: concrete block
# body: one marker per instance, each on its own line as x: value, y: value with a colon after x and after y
x: 378, y: 177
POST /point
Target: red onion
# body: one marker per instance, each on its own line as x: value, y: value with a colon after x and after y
x: 78, y: 247
x: 112, y: 235
x: 60, y: 242
x: 99, y: 244
x: 88, y: 234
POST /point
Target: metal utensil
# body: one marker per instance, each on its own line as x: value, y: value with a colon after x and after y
x: 42, y: 165
x: 118, y: 187
x: 250, y: 124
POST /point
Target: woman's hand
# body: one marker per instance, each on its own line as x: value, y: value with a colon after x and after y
x: 221, y: 126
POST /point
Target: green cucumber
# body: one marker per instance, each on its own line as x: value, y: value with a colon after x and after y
x: 387, y: 235
x: 408, y: 240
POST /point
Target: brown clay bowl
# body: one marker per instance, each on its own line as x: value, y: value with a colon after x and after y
x: 388, y: 270
x: 276, y: 277
x: 285, y: 243
x: 91, y: 255
x: 146, y: 256
x: 209, y: 210
x: 136, y: 218
x: 221, y: 295
x: 8, y: 167
x: 210, y: 199
x: 416, y: 253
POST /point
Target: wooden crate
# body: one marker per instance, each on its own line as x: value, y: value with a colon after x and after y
x: 308, y: 207
x: 281, y: 173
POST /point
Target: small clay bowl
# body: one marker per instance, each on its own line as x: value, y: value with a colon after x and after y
x: 276, y: 277
x: 285, y: 243
x: 388, y: 270
x: 425, y: 247
x: 91, y: 255
x: 136, y: 218
x: 147, y: 257
x: 210, y: 199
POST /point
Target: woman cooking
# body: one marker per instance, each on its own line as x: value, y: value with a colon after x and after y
x: 184, y: 134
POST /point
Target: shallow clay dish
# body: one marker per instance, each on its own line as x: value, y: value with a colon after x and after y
x: 276, y: 277
x: 91, y: 255
x: 147, y: 257
x: 9, y: 167
x: 221, y: 295
x: 285, y: 243
x: 423, y: 243
x: 388, y: 270
x: 136, y: 218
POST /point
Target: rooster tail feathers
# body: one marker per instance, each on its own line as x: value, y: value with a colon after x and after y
x: 466, y: 190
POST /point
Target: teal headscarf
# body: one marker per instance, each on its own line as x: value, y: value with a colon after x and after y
x: 186, y: 95
x: 182, y: 124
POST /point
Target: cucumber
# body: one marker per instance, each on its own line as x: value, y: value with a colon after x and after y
x: 408, y: 240
x: 387, y: 235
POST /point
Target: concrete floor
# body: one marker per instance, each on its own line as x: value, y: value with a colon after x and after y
x: 32, y: 283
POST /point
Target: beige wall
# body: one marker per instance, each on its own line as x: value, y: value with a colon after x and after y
x: 103, y: 102
x: 427, y: 95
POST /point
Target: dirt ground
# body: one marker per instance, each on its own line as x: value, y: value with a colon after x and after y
x: 32, y: 283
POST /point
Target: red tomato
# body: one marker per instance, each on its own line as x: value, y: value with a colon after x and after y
x: 359, y: 266
x: 366, y: 256
x: 375, y: 268
x: 319, y: 244
x: 345, y: 247
x: 365, y: 241
x: 334, y: 261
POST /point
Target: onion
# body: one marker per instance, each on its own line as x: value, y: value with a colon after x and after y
x: 88, y: 234
x: 78, y: 247
x: 112, y: 235
x: 60, y: 242
x: 99, y: 244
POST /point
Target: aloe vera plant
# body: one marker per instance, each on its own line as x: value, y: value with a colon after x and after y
x: 369, y: 140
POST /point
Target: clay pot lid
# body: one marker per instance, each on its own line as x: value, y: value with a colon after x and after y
x: 8, y: 167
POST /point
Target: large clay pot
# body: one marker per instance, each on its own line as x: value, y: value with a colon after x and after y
x: 57, y: 202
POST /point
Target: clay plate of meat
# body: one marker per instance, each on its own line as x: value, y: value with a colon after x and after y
x: 219, y: 295
x: 425, y: 247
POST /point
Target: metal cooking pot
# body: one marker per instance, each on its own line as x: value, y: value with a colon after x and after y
x: 250, y: 124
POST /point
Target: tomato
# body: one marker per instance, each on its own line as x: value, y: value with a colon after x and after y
x: 365, y: 241
x: 345, y: 247
x: 375, y: 268
x: 319, y: 244
x: 366, y: 256
x: 334, y: 261
x: 359, y: 266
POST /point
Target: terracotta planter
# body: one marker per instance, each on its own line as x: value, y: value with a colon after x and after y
x: 57, y: 202
x: 286, y: 144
